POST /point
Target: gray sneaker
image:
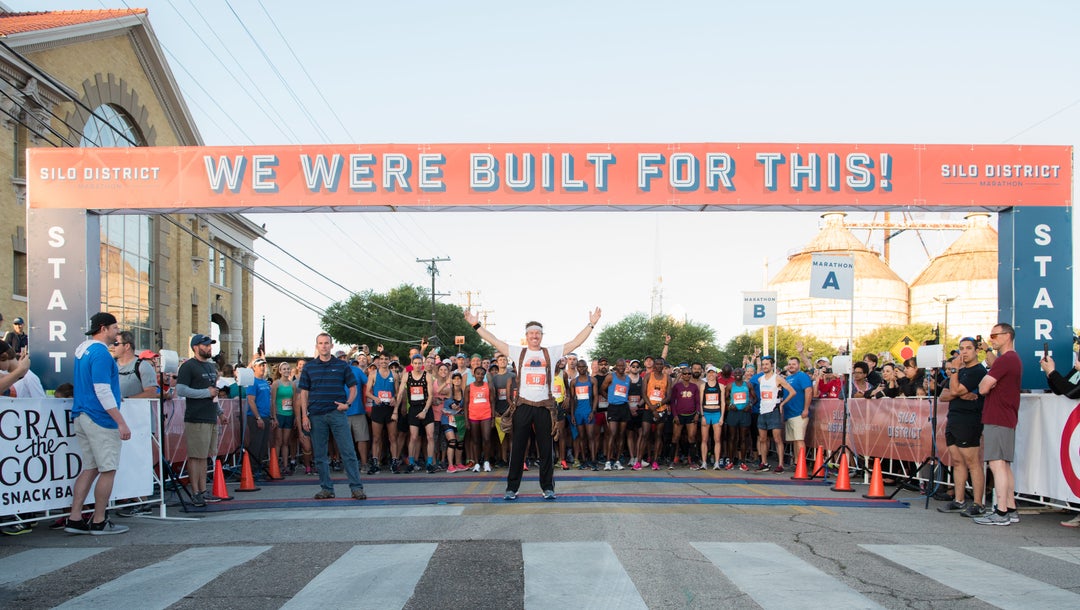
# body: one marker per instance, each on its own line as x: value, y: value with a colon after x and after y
x: 954, y: 507
x: 106, y: 528
x: 973, y: 511
x: 510, y: 496
x: 81, y: 526
x: 198, y: 500
x: 993, y: 519
x: 1013, y: 515
x: 549, y: 494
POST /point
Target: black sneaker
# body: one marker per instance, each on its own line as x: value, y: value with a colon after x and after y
x: 395, y: 466
x: 106, y: 528
x: 374, y: 467
x: 15, y: 529
x: 431, y: 468
x: 198, y: 500
x: 763, y: 468
x: 974, y: 511
x: 954, y: 507
x: 77, y: 527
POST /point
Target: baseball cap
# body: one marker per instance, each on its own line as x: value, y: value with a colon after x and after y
x: 201, y: 340
x: 417, y: 357
x: 461, y: 355
x: 100, y: 320
x: 822, y: 359
x: 17, y: 321
x: 147, y: 354
x: 258, y: 361
x: 711, y: 369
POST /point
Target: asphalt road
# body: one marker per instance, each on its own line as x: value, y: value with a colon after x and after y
x: 673, y: 539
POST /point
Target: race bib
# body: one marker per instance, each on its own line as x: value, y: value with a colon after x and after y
x: 582, y: 392
x: 635, y: 401
x: 385, y: 396
x: 767, y: 395
x: 502, y: 393
x: 535, y: 379
x: 416, y: 393
x: 621, y: 390
x: 286, y: 405
x: 712, y: 399
x: 656, y: 395
x: 557, y: 393
x: 738, y: 397
x: 480, y: 399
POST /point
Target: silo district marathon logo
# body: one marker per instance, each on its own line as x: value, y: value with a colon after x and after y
x: 1070, y: 451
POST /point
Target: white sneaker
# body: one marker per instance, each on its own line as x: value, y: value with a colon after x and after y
x: 487, y: 466
x: 618, y: 465
x: 607, y: 465
x: 716, y: 466
x: 476, y: 468
x: 1074, y: 522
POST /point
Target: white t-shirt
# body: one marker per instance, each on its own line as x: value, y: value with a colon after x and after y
x: 770, y: 393
x: 534, y: 380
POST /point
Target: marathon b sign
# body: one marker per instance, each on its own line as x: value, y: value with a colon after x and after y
x: 832, y: 276
x: 759, y: 308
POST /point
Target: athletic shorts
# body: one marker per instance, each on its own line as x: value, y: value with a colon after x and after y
x: 999, y: 443
x: 501, y: 407
x: 619, y: 413
x: 583, y: 415
x: 447, y: 429
x: 403, y: 422
x: 795, y: 428
x: 772, y: 420
x: 361, y: 431
x: 286, y: 422
x: 963, y: 429
x: 601, y: 418
x: 381, y: 414
x: 560, y: 411
x: 414, y: 419
x: 636, y: 416
x: 710, y: 418
x: 687, y: 418
x: 737, y: 419
x: 100, y: 446
x: 202, y: 439
x: 659, y: 417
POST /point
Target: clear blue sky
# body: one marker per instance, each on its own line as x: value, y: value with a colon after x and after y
x: 929, y: 72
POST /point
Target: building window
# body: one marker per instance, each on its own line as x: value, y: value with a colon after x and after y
x: 19, y: 289
x: 127, y: 275
x: 218, y: 263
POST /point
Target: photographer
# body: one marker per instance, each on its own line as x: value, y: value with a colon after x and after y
x: 826, y: 383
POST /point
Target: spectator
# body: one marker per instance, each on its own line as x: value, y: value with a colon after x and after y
x: 911, y: 380
x: 16, y: 337
x: 862, y: 387
x: 890, y: 386
x: 1001, y: 407
x: 196, y: 381
x: 261, y: 422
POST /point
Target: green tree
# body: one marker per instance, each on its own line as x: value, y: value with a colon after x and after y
x: 398, y: 320
x: 637, y: 335
x: 787, y: 344
x: 287, y: 353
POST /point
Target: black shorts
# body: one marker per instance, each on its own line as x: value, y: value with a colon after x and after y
x: 560, y: 412
x: 963, y: 429
x: 501, y: 406
x: 635, y: 419
x: 618, y: 413
x: 687, y: 419
x: 403, y: 422
x: 414, y: 411
x: 381, y: 414
x: 737, y: 419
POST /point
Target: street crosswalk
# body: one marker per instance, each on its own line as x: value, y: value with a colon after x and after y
x: 586, y: 574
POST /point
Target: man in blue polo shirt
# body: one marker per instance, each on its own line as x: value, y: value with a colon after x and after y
x: 323, y: 403
x: 99, y: 426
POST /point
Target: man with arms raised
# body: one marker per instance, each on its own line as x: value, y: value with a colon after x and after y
x: 532, y: 417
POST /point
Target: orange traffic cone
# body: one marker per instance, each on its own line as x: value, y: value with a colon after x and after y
x: 800, y: 467
x: 843, y: 477
x: 247, y: 480
x: 819, y: 463
x: 219, y: 490
x: 877, y: 483
x: 275, y: 470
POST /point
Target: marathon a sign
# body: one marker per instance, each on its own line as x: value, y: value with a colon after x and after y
x: 759, y: 308
x: 832, y: 276
x: 40, y: 457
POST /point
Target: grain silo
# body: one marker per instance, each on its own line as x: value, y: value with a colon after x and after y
x: 965, y: 276
x: 881, y: 297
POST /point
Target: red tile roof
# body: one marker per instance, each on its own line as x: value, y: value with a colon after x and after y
x: 17, y: 23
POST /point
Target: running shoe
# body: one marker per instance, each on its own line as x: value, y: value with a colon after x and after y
x: 510, y: 496
x: 549, y: 494
x: 607, y: 465
x: 16, y: 529
x: 1074, y: 522
x: 674, y: 462
x: 358, y: 494
x: 695, y: 467
x: 1013, y: 515
x: 581, y: 465
x: 730, y: 465
x: 993, y: 518
x: 743, y: 467
x: 77, y: 527
x: 763, y: 467
x: 431, y: 468
x: 596, y: 466
x: 59, y: 524
x: 450, y: 469
x: 973, y: 511
x: 778, y: 470
x: 487, y: 466
x: 198, y: 500
x: 954, y: 507
x: 525, y: 466
x: 106, y: 528
x: 655, y: 466
x: 395, y: 466
x: 576, y: 464
x: 619, y: 466
x: 717, y: 466
x: 476, y: 468
x: 637, y: 466
x: 324, y: 494
x: 564, y: 465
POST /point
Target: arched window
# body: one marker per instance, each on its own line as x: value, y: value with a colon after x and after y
x: 127, y: 275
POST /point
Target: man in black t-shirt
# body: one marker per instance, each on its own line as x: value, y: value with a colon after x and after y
x: 196, y: 383
x: 964, y: 428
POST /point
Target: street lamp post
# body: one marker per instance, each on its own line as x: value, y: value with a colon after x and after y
x: 945, y: 300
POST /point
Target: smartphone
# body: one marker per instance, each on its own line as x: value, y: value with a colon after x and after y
x: 1046, y: 350
x: 978, y: 340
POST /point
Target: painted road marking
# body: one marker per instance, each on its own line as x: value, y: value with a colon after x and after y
x: 379, y: 576
x: 30, y: 564
x: 549, y: 584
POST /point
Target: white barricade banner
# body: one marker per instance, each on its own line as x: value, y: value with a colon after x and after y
x: 1048, y: 447
x: 40, y: 458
